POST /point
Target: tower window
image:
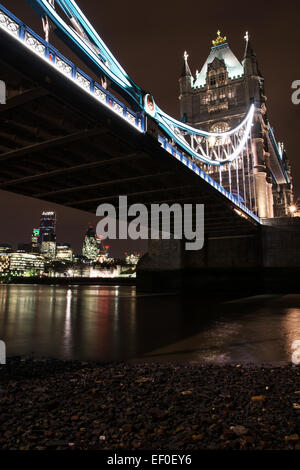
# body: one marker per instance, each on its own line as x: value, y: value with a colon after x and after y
x: 212, y: 80
x: 222, y: 78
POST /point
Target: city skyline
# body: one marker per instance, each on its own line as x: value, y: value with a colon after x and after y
x: 71, y: 227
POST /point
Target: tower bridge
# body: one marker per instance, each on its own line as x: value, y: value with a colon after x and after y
x: 67, y: 139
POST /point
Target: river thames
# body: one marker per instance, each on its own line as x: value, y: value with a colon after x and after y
x: 111, y: 323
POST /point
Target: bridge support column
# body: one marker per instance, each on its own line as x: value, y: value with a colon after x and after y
x: 223, y: 266
x: 264, y: 261
x: 161, y: 268
x: 260, y: 179
x: 270, y: 200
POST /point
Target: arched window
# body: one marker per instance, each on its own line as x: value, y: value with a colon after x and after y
x: 222, y: 78
x: 212, y: 80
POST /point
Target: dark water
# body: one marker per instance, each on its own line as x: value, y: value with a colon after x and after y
x: 116, y: 323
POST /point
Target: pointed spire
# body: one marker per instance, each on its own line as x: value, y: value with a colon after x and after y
x: 186, y: 71
x: 249, y: 52
x: 250, y: 60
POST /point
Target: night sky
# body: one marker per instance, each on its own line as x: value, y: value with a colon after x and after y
x: 149, y: 39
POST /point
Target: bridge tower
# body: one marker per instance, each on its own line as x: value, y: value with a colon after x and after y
x: 217, y: 100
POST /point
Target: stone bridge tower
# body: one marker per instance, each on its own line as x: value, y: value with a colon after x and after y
x: 218, y: 98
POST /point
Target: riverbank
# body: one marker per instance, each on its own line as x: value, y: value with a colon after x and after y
x: 71, y: 281
x: 54, y: 404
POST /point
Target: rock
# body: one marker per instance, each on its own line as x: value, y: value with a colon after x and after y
x: 142, y: 380
x: 55, y: 443
x: 198, y: 437
x: 239, y: 430
x: 179, y: 429
x: 227, y: 436
x: 258, y: 398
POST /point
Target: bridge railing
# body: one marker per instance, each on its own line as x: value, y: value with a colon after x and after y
x: 46, y: 51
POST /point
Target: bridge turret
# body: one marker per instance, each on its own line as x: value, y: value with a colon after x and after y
x: 250, y: 62
x: 186, y: 83
x: 254, y: 81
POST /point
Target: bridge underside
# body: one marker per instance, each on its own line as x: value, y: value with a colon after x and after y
x: 58, y: 144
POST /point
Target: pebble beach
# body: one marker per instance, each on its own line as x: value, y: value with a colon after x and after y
x: 60, y: 405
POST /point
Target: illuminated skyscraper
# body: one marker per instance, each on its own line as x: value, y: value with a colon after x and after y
x: 90, y: 248
x: 47, y: 237
x: 64, y: 252
x: 35, y: 240
x: 48, y: 226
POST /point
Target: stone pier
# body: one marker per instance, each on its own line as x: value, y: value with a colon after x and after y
x: 264, y: 261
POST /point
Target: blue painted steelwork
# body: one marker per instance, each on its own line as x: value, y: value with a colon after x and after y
x: 89, y: 43
x: 166, y: 123
x: 84, y: 38
x: 187, y: 162
x: 64, y: 65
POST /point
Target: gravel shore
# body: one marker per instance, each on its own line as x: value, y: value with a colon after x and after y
x: 54, y: 404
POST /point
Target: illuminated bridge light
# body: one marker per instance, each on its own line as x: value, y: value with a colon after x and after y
x: 9, y: 24
x: 34, y: 44
x: 64, y: 67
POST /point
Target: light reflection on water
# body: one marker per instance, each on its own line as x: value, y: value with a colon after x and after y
x: 108, y: 323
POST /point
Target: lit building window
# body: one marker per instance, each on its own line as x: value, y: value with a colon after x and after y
x: 64, y: 252
x: 212, y: 80
x: 91, y: 245
x: 25, y: 264
x: 222, y: 78
x: 220, y: 127
x: 132, y: 258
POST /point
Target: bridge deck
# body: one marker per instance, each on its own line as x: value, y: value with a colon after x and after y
x: 57, y: 143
